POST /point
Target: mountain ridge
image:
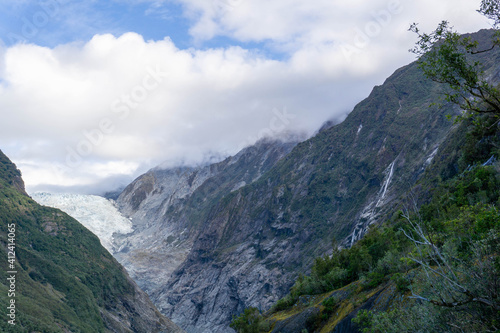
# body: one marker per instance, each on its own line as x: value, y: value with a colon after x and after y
x: 65, y: 281
x: 250, y: 244
x: 313, y: 194
x: 164, y: 203
x: 333, y: 185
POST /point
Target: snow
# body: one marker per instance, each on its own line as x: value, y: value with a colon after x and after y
x: 97, y: 214
x: 360, y: 128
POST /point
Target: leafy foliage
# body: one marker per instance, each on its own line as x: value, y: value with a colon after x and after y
x: 448, y: 58
x: 491, y: 10
x: 457, y: 245
x: 250, y: 321
x: 64, y: 274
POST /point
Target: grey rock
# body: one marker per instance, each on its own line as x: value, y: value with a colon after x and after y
x: 211, y: 241
x: 297, y: 323
x: 167, y: 208
x: 136, y: 313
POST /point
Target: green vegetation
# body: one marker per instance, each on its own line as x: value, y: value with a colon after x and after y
x: 454, y: 60
x: 374, y: 259
x: 64, y: 276
x: 437, y: 259
x: 459, y: 263
x: 453, y: 270
x: 250, y: 321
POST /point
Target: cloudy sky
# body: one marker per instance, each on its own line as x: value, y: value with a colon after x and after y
x: 92, y: 93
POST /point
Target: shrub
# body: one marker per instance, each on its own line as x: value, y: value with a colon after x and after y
x: 248, y: 322
x: 401, y: 281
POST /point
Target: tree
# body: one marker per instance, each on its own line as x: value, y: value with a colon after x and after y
x: 461, y: 265
x: 454, y: 60
x: 491, y: 9
x: 457, y: 285
x: 248, y: 322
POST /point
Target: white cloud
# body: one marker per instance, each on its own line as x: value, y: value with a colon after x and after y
x: 109, y: 107
x: 316, y: 21
x: 115, y: 99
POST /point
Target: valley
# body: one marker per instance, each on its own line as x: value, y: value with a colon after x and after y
x: 208, y: 242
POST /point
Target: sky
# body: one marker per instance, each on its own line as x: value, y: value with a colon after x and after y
x: 94, y: 93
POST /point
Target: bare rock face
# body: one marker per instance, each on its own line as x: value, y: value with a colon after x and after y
x: 136, y: 313
x: 167, y: 207
x: 205, y: 300
x: 210, y: 241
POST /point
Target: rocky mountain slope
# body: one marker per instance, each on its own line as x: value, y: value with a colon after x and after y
x: 376, y: 273
x: 256, y: 240
x: 60, y: 278
x: 96, y: 213
x: 167, y: 206
x: 209, y: 242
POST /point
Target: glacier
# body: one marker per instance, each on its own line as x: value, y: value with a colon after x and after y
x: 96, y: 213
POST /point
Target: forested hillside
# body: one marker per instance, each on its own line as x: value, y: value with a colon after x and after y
x: 431, y: 264
x: 56, y: 276
x: 240, y: 241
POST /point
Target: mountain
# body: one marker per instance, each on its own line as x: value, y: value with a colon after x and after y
x: 210, y: 242
x: 393, y: 279
x: 204, y: 248
x: 96, y: 213
x: 166, y: 207
x: 59, y: 278
x: 256, y: 240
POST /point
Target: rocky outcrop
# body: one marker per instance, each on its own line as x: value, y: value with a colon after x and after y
x: 135, y: 312
x: 11, y: 174
x: 218, y: 246
x: 62, y: 279
x: 254, y: 241
x: 166, y: 207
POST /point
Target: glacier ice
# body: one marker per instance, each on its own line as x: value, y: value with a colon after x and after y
x: 97, y: 214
